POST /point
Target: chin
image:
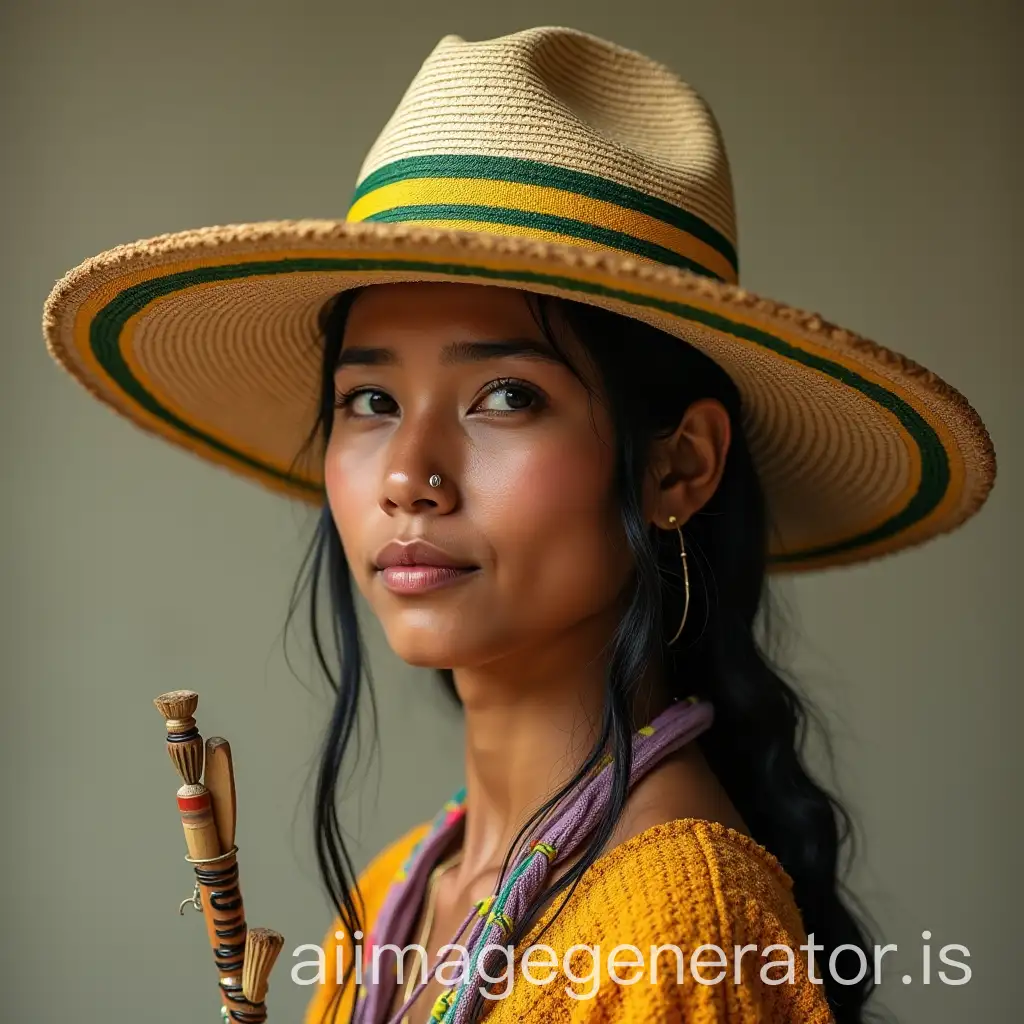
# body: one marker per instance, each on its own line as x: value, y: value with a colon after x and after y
x: 426, y: 646
x: 427, y: 655
x: 436, y: 645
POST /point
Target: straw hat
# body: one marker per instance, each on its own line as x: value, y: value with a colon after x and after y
x: 552, y: 161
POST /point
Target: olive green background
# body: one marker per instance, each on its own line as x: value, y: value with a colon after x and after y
x: 876, y: 152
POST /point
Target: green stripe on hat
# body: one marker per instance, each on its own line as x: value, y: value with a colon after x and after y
x: 534, y: 172
x: 543, y: 222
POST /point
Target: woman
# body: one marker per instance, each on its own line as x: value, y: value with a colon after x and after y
x: 556, y: 449
x: 568, y: 439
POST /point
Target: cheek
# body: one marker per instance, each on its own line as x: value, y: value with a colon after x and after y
x: 555, y: 529
x: 349, y: 483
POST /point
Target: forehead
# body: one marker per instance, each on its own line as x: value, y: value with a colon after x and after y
x: 458, y: 324
x: 423, y: 310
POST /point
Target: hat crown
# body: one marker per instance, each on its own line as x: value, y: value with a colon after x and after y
x: 559, y: 133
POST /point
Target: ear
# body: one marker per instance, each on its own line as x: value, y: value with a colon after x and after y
x: 686, y: 468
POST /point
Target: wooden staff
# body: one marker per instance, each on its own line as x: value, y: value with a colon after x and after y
x: 244, y: 956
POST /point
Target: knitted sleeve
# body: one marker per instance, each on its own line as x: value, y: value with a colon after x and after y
x: 689, y: 896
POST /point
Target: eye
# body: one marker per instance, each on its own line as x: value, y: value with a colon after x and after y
x: 366, y: 402
x: 508, y: 395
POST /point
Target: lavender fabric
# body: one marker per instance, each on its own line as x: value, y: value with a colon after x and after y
x: 567, y: 830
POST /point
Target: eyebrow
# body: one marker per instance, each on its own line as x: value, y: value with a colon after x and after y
x: 455, y: 352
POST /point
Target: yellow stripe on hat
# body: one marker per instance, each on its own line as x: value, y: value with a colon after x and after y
x: 542, y: 211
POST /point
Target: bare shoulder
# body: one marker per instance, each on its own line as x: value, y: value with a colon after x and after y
x: 682, y: 785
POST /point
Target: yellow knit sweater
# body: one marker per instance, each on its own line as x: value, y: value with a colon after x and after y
x: 687, y: 883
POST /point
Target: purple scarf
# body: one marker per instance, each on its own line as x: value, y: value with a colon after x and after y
x: 559, y: 837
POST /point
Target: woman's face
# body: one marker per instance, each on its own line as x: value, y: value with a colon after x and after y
x: 458, y: 380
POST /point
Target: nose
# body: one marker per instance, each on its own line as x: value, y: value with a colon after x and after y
x: 406, y: 485
x: 414, y: 494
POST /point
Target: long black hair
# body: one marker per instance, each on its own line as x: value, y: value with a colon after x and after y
x: 647, y: 379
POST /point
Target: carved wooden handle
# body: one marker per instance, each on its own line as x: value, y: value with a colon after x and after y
x: 206, y: 803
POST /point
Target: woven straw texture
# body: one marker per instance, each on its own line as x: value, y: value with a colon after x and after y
x: 570, y: 100
x: 551, y: 161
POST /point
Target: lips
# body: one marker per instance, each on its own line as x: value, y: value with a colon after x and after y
x: 417, y: 565
x: 419, y: 553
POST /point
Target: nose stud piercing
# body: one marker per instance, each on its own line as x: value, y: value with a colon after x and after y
x: 434, y: 481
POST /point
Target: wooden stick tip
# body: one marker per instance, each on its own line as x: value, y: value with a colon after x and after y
x: 262, y: 946
x: 177, y: 703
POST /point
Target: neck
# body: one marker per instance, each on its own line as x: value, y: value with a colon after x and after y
x: 528, y: 728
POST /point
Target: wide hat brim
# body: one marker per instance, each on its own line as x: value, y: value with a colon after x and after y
x: 211, y: 339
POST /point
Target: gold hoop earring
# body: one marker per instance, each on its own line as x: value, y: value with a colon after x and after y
x: 686, y: 579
